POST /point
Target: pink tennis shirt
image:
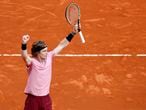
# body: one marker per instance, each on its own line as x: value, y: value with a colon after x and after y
x: 39, y: 78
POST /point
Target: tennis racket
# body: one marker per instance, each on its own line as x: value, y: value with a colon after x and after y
x: 72, y: 14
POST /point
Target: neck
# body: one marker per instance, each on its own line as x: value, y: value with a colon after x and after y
x: 40, y: 59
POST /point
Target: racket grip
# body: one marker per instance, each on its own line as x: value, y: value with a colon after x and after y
x: 82, y: 37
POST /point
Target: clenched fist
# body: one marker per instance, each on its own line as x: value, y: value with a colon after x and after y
x: 25, y: 39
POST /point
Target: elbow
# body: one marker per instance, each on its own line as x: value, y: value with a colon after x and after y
x: 23, y: 55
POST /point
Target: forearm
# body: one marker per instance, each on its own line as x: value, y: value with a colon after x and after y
x: 24, y: 54
x: 61, y: 45
x: 64, y: 42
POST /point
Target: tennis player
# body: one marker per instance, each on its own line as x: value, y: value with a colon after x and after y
x: 39, y: 68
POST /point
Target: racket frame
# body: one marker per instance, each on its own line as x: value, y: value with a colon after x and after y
x: 66, y: 16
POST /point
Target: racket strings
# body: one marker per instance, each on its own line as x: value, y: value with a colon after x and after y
x: 72, y: 14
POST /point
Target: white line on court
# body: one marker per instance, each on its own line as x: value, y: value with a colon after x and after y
x: 83, y: 55
x: 141, y: 55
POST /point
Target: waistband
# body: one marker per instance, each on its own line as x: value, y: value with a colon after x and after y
x: 28, y: 94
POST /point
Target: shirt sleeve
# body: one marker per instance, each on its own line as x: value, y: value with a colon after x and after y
x: 51, y: 53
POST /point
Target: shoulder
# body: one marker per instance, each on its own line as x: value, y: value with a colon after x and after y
x: 51, y: 53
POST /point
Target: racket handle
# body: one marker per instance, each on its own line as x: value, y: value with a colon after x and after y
x: 82, y: 37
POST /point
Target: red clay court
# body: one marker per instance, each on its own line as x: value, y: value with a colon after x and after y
x: 87, y: 79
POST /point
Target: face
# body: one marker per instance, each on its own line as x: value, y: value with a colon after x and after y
x: 43, y: 53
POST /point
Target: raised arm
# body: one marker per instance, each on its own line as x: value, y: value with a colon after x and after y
x: 66, y: 40
x: 24, y: 53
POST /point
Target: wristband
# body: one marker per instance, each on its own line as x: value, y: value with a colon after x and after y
x: 23, y: 46
x: 70, y: 36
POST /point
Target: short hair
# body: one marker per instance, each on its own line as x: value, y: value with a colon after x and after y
x: 37, y: 47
